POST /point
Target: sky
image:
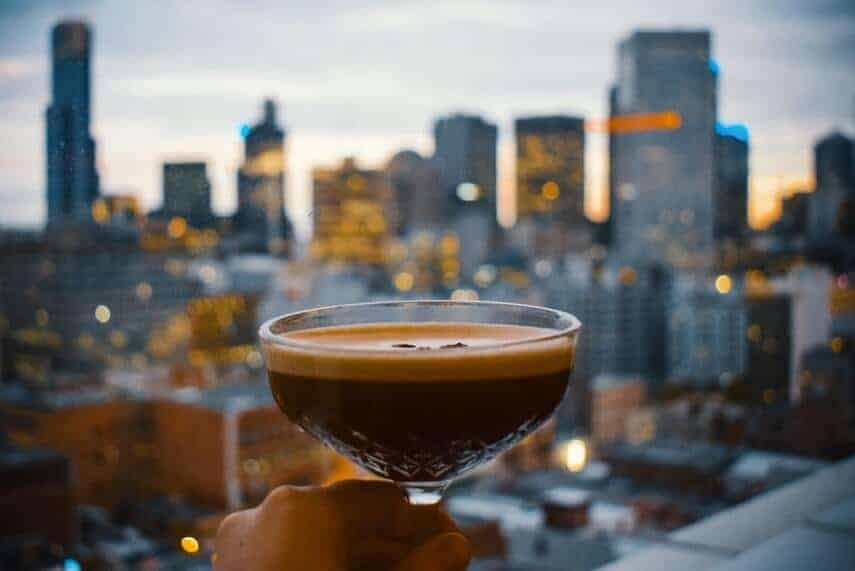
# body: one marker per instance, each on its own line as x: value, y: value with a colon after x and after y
x: 176, y: 80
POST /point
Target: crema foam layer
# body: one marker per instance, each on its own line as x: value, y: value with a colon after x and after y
x: 424, y: 352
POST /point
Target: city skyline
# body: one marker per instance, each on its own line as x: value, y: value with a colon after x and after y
x: 325, y: 123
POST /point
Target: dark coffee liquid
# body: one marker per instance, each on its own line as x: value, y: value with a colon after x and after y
x: 419, y: 431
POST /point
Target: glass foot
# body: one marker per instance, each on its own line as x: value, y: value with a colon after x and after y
x: 424, y: 493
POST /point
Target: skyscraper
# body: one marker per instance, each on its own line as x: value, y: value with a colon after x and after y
x: 187, y: 192
x: 769, y: 358
x: 415, y: 181
x: 830, y: 207
x: 706, y: 334
x: 260, y: 217
x: 731, y: 193
x: 465, y: 151
x: 353, y: 214
x: 551, y: 168
x: 833, y: 162
x: 665, y: 178
x: 612, y: 222
x: 72, y: 178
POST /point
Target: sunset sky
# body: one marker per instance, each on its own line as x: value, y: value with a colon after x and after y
x: 176, y: 80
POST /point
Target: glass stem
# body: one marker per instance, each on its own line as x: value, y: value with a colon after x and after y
x: 424, y: 493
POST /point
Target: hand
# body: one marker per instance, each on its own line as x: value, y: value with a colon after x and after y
x: 352, y: 525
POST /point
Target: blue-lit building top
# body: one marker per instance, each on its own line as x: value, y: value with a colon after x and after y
x: 735, y: 130
x: 72, y: 178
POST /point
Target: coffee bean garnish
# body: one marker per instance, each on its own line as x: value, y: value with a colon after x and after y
x: 404, y: 346
x: 454, y: 345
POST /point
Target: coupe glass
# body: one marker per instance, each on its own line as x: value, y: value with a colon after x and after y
x: 421, y: 417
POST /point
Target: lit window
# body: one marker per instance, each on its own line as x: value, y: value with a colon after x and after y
x: 550, y: 190
x: 468, y: 192
x: 102, y: 314
x: 723, y: 284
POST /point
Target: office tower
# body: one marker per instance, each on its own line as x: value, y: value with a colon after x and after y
x: 769, y: 334
x: 809, y: 288
x: 833, y: 162
x: 94, y: 298
x: 617, y: 304
x: 415, y: 182
x: 706, y: 333
x: 611, y: 228
x: 187, y: 192
x: 465, y: 153
x: 793, y: 221
x: 731, y: 192
x: 353, y: 214
x: 830, y: 227
x: 72, y: 178
x: 260, y: 218
x: 665, y: 178
x: 551, y: 169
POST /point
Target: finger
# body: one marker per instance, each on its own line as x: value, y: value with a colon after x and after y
x: 374, y: 553
x: 230, y: 545
x: 423, y: 522
x: 444, y: 552
x: 370, y: 508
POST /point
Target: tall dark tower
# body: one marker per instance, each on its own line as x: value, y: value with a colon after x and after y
x: 613, y: 160
x: 260, y: 216
x: 834, y: 161
x: 72, y: 179
x: 731, y: 193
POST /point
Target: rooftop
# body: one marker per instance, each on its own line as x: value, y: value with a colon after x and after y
x: 809, y: 524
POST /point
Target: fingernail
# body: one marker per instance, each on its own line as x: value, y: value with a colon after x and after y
x: 452, y: 550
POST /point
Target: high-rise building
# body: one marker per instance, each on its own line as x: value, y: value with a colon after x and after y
x: 830, y: 230
x: 617, y: 302
x: 769, y: 331
x: 706, y: 333
x: 551, y: 169
x: 611, y: 228
x: 187, y: 192
x: 72, y: 177
x: 731, y: 193
x: 465, y: 153
x: 261, y: 217
x: 665, y: 178
x: 415, y: 181
x: 834, y: 161
x: 353, y: 215
x: 88, y: 299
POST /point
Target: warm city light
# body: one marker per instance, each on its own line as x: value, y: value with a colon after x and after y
x: 102, y: 314
x: 464, y: 294
x: 468, y: 192
x: 723, y: 284
x: 144, y: 291
x: 404, y: 281
x: 575, y: 455
x: 550, y: 190
x: 177, y: 227
x: 190, y: 544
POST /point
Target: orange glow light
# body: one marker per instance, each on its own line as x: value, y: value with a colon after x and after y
x: 636, y: 122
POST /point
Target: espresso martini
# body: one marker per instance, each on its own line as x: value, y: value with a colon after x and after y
x: 419, y: 402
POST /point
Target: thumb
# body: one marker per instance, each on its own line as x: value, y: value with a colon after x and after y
x: 443, y: 552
